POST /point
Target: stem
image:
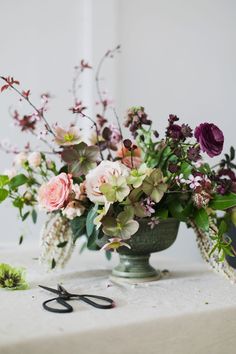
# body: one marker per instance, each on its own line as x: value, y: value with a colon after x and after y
x: 97, y: 132
x: 40, y: 114
x: 108, y: 54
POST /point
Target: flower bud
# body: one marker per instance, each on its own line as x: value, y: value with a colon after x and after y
x: 35, y: 159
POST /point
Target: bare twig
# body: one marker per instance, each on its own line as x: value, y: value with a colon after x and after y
x: 39, y: 112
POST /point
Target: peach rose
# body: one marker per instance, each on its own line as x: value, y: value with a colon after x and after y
x: 132, y: 162
x: 54, y: 194
x: 99, y: 175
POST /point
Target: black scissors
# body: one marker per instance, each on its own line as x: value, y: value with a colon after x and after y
x: 64, y: 296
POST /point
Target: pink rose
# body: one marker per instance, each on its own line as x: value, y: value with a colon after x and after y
x: 54, y: 194
x: 99, y: 175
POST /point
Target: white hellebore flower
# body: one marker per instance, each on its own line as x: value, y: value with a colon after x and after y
x: 35, y: 159
x: 20, y: 159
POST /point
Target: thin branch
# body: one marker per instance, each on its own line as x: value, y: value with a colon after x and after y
x: 40, y: 113
x: 108, y: 54
x: 97, y: 132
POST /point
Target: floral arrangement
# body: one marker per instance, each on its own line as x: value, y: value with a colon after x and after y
x: 104, y: 186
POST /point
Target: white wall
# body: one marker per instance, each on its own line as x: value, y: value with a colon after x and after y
x: 178, y: 56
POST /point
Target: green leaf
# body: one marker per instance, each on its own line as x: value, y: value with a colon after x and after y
x: 201, y: 219
x: 18, y: 203
x: 62, y: 244
x: 3, y: 180
x: 222, y: 228
x: 186, y: 169
x: 162, y: 213
x: 78, y: 226
x: 83, y: 247
x: 25, y: 216
x: 90, y: 220
x: 18, y: 181
x: 176, y: 210
x: 21, y: 238
x: 108, y: 255
x: 232, y: 153
x: 222, y: 202
x: 53, y: 265
x: 92, y: 240
x: 3, y: 194
x: 34, y: 216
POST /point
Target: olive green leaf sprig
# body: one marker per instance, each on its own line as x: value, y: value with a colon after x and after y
x: 12, y: 278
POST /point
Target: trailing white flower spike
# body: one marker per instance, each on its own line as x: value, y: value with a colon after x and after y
x: 56, y: 242
x: 205, y: 246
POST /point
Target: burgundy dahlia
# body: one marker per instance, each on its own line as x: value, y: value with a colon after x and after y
x: 210, y: 138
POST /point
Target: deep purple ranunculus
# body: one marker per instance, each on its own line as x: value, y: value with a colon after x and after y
x: 210, y: 138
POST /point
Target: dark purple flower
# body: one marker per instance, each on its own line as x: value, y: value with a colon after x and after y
x: 173, y: 118
x: 193, y: 154
x: 225, y: 172
x: 174, y: 132
x: 210, y: 138
x: 135, y: 119
x: 173, y: 167
x: 186, y: 131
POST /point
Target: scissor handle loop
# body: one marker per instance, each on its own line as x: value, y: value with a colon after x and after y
x: 67, y: 307
x: 87, y: 298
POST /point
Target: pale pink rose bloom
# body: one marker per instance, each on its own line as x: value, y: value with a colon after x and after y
x: 35, y: 159
x: 73, y: 209
x: 20, y: 159
x: 54, y: 194
x: 10, y: 173
x: 66, y: 137
x: 101, y: 174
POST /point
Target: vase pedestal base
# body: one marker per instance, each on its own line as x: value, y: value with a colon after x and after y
x: 134, y: 269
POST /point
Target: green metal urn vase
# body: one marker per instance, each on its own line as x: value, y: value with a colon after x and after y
x: 134, y: 262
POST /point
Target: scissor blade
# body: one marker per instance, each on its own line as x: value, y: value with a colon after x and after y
x: 55, y: 291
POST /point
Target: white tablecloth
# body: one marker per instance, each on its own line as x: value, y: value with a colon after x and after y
x: 191, y: 311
